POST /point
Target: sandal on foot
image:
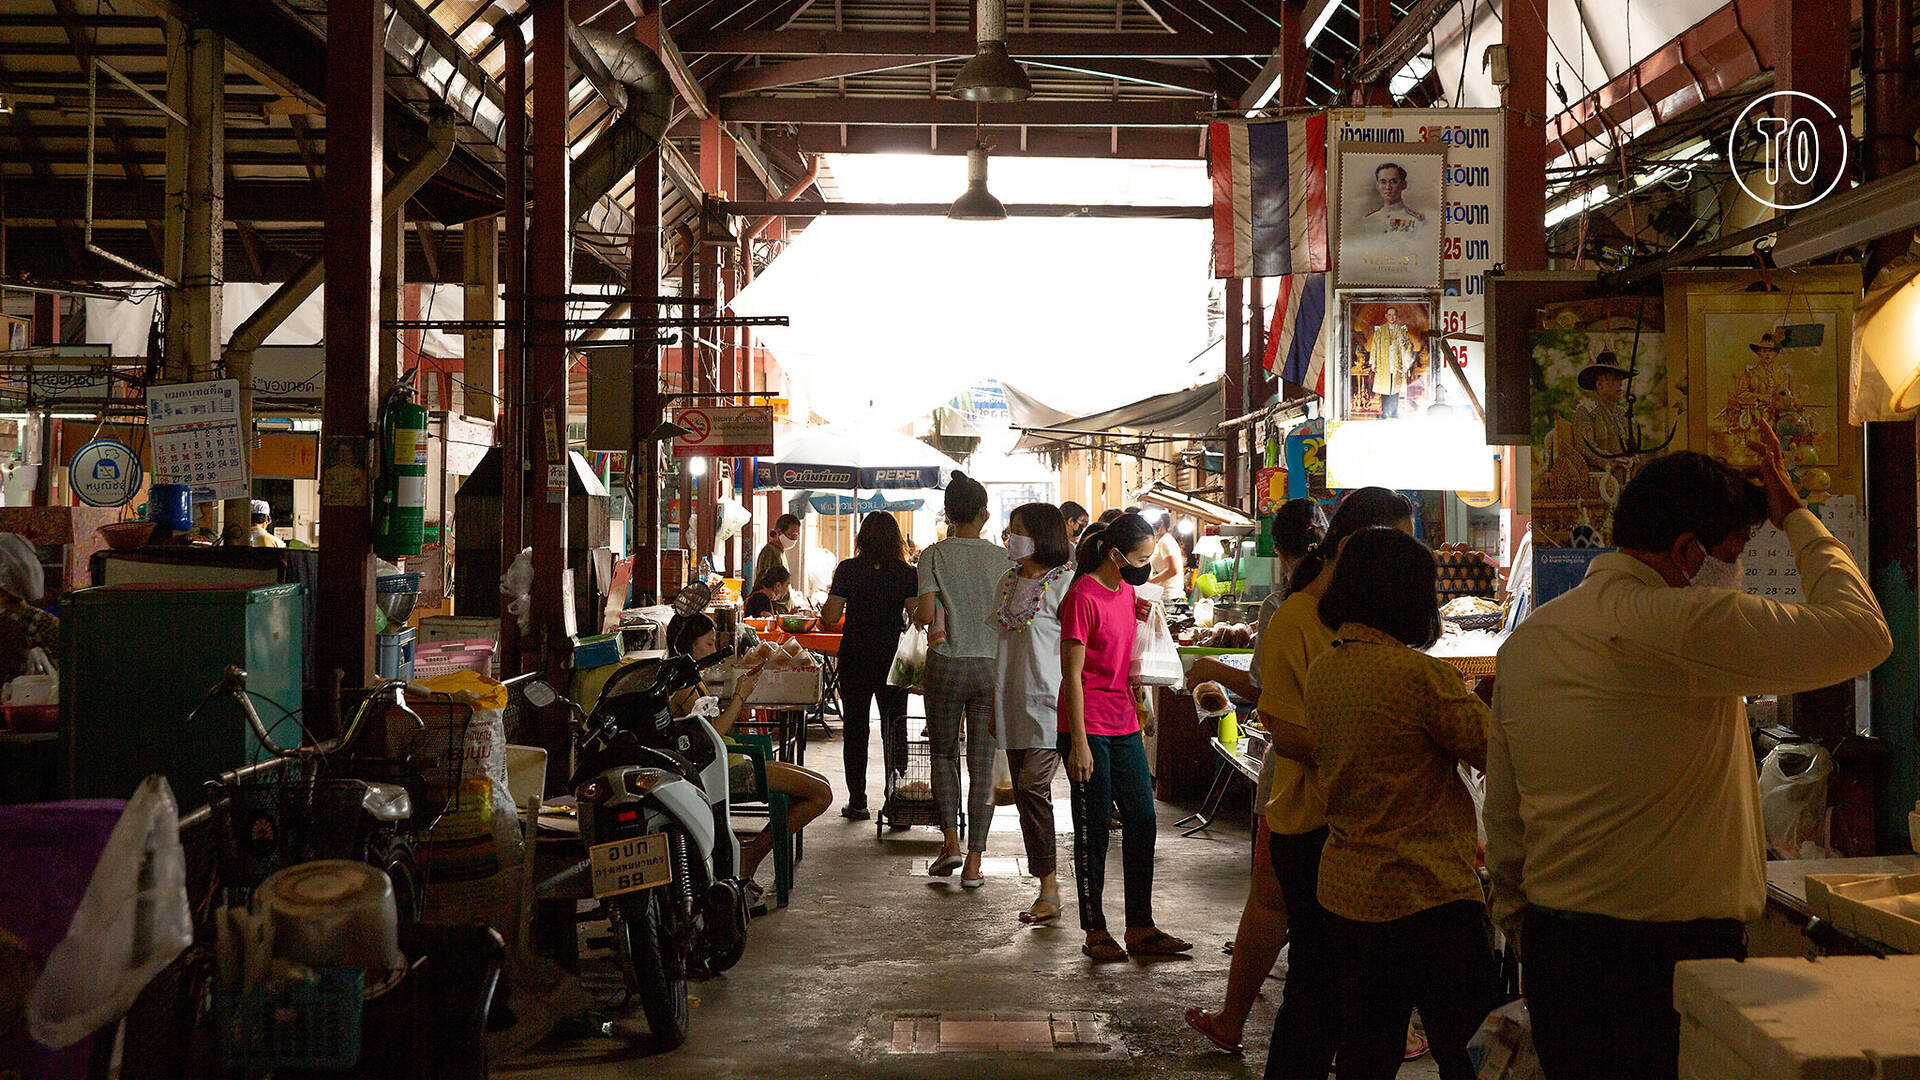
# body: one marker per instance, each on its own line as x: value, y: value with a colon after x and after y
x: 1203, y: 1022
x: 1160, y: 943
x: 1044, y: 910
x: 1103, y: 949
x: 972, y: 882
x: 1416, y: 1047
x: 945, y: 865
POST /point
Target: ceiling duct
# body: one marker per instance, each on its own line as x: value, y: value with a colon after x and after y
x: 639, y: 127
x: 992, y: 75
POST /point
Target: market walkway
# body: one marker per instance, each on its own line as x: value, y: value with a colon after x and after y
x: 872, y: 951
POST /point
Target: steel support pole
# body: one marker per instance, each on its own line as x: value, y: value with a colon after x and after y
x: 513, y: 366
x: 1812, y: 55
x: 1524, y: 25
x: 356, y: 96
x: 1892, y: 522
x: 547, y: 273
x: 1233, y: 400
x: 1259, y: 379
x: 643, y: 463
x: 393, y: 283
x: 1376, y: 18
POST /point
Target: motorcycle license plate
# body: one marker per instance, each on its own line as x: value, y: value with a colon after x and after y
x: 622, y: 866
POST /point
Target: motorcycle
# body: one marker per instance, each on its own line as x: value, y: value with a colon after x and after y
x: 660, y: 855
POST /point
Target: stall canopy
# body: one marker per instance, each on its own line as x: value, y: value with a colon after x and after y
x: 1181, y: 415
x: 1173, y: 500
x: 853, y: 458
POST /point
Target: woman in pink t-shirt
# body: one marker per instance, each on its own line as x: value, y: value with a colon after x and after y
x: 1100, y: 736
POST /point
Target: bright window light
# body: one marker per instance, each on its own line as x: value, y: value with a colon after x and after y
x: 697, y: 466
x: 1572, y: 207
x: 935, y: 178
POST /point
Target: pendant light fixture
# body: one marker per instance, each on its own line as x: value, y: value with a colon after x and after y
x: 990, y: 74
x: 977, y: 203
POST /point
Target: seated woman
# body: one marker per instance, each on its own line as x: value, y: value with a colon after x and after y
x: 808, y: 791
x: 769, y: 590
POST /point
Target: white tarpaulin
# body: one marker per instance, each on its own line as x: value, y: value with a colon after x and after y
x: 892, y: 317
x: 123, y: 323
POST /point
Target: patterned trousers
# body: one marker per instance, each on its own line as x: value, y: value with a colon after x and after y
x: 960, y: 690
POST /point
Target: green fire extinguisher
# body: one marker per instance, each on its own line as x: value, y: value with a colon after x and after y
x: 400, y: 500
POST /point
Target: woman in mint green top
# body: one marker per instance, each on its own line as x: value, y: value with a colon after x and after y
x: 959, y: 583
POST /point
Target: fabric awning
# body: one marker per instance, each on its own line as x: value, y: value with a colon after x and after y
x: 1193, y: 413
x: 1172, y: 499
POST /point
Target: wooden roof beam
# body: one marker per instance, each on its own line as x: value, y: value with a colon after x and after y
x: 922, y: 112
x: 814, y: 69
x: 1145, y: 72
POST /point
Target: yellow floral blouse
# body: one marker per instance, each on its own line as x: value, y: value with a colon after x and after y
x: 1389, y: 725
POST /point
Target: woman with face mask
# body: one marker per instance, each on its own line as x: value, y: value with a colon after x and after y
x: 1100, y: 736
x: 1026, y: 700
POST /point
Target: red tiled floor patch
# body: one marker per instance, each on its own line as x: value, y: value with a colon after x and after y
x: 983, y: 1033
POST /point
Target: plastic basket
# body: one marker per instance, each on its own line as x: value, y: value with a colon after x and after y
x: 447, y: 657
x: 305, y: 1023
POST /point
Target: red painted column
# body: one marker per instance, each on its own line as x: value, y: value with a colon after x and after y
x: 643, y: 465
x: 1376, y: 18
x: 1813, y: 55
x: 513, y: 366
x: 547, y: 272
x: 356, y: 97
x: 1525, y: 98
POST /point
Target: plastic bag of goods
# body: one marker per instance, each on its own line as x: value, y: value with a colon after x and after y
x: 1503, y: 1047
x: 1793, y: 799
x: 473, y: 855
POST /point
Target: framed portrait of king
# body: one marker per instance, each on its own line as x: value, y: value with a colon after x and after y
x: 1388, y: 221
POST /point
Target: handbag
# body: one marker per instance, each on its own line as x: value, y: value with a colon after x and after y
x: 1156, y: 660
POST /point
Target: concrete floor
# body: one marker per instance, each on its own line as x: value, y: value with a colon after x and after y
x: 869, y: 937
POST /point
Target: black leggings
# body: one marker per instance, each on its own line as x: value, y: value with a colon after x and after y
x: 856, y: 707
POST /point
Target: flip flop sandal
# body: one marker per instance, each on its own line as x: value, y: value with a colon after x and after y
x: 1104, y: 950
x: 1160, y: 943
x: 1416, y: 1048
x: 972, y: 882
x: 1044, y: 910
x: 945, y: 865
x: 1202, y: 1021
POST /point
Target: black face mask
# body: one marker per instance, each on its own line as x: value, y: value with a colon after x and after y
x: 1135, y: 576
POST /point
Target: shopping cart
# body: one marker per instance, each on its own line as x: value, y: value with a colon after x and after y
x: 909, y: 798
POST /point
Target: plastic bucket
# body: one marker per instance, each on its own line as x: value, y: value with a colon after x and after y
x: 170, y: 506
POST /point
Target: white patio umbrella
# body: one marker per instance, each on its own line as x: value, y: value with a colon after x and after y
x: 849, y: 457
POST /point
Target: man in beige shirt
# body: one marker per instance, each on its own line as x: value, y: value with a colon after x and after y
x: 1622, y: 808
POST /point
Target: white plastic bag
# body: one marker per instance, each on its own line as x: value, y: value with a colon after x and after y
x: 40, y: 685
x: 1002, y: 779
x: 1503, y: 1047
x: 132, y: 922
x: 1156, y: 660
x: 1793, y: 799
x: 517, y: 586
x: 909, y: 659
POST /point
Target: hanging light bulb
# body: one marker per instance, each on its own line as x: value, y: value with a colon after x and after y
x: 1890, y: 342
x: 977, y: 203
x: 697, y: 466
x: 990, y: 74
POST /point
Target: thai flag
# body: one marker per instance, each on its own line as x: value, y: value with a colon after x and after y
x: 1269, y: 196
x: 1297, y: 321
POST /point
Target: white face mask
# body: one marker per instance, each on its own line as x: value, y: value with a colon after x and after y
x: 1718, y: 573
x: 1019, y: 547
x: 786, y: 542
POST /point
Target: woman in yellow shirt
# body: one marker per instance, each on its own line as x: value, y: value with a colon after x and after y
x: 1388, y: 728
x: 1290, y: 831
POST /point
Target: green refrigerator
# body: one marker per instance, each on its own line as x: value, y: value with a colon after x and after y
x: 139, y: 659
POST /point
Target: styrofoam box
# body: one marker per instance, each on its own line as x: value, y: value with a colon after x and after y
x: 782, y: 686
x: 1883, y: 907
x: 1780, y: 1018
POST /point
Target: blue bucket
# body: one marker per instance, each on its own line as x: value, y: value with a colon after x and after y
x: 170, y: 506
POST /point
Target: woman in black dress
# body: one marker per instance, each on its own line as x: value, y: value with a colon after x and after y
x: 868, y: 603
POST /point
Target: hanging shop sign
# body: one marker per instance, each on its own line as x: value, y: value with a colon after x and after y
x: 1416, y: 227
x: 105, y: 472
x: 768, y: 475
x: 197, y: 438
x: 866, y: 504
x: 289, y: 372
x: 724, y: 432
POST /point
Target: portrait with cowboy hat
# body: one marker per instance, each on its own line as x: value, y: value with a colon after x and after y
x: 1605, y: 363
x: 1770, y: 341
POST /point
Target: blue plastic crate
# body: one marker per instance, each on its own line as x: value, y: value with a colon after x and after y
x: 298, y: 1024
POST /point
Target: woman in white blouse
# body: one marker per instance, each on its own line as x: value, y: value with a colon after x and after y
x: 1026, y: 698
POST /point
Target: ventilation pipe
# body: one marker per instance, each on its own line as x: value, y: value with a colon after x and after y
x: 251, y: 334
x: 813, y: 174
x: 636, y: 131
